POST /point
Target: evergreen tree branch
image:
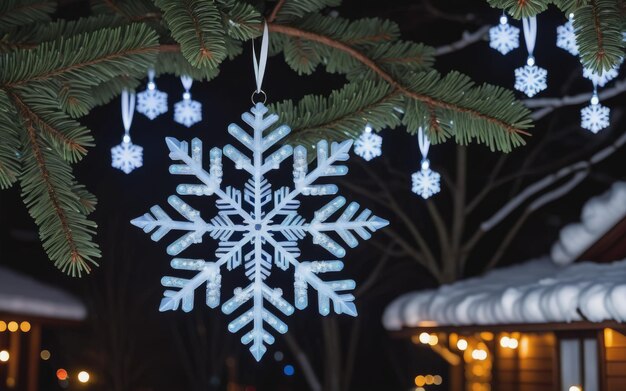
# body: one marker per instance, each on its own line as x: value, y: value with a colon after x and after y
x: 47, y: 187
x: 275, y: 11
x: 15, y: 13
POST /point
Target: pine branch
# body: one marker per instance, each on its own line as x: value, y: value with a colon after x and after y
x: 239, y: 19
x: 288, y: 10
x: 521, y: 8
x: 196, y: 25
x: 599, y: 35
x: 10, y: 146
x: 488, y: 114
x: 47, y: 188
x: 14, y: 13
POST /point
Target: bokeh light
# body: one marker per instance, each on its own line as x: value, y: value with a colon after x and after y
x: 4, y: 356
x: 61, y: 374
x: 25, y: 327
x: 289, y: 370
x: 83, y: 376
x: 45, y: 355
x: 12, y: 326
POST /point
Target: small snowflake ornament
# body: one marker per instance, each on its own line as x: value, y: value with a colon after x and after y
x: 603, y: 78
x: 566, y: 37
x: 259, y: 228
x: 531, y: 79
x: 426, y: 182
x: 368, y: 145
x: 151, y: 102
x: 504, y: 37
x: 595, y: 117
x: 126, y: 156
x: 187, y: 112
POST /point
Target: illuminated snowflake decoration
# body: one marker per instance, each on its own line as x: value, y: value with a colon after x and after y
x: 368, y: 145
x: 595, y: 117
x: 566, y: 38
x: 531, y: 79
x: 504, y: 38
x: 426, y: 182
x: 151, y: 102
x: 126, y: 156
x: 188, y: 112
x: 601, y: 79
x: 259, y: 228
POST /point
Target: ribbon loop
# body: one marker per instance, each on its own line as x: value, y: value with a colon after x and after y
x: 423, y: 142
x: 530, y: 33
x: 187, y: 82
x: 259, y: 65
x: 128, y: 108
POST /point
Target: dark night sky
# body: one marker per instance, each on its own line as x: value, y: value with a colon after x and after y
x: 132, y: 264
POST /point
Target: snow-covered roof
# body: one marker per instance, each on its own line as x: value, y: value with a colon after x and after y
x: 537, y: 291
x: 22, y: 295
x: 598, y: 216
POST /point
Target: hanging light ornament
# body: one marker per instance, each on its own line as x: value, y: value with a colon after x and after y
x: 595, y: 117
x: 530, y: 79
x: 127, y: 156
x: 504, y: 37
x: 187, y: 112
x: 604, y: 77
x: 425, y: 181
x: 368, y: 145
x: 566, y: 36
x: 151, y: 102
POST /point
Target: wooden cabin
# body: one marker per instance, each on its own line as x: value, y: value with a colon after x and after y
x: 554, y: 323
x: 26, y: 308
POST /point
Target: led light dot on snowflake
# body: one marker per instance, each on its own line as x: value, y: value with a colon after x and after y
x: 259, y: 228
x: 187, y: 112
x: 566, y: 37
x: 127, y: 156
x: 368, y: 145
x: 595, y: 117
x: 151, y: 102
x: 504, y: 37
x: 426, y: 182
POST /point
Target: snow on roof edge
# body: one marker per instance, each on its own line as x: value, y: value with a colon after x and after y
x: 598, y: 216
x: 23, y: 295
x: 534, y: 292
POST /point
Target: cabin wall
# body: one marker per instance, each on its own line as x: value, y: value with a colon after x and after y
x: 614, y: 364
x: 529, y: 367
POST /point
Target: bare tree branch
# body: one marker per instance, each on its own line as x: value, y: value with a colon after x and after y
x: 547, y: 105
x: 467, y: 40
x: 305, y: 364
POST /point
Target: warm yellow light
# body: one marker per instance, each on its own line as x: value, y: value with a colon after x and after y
x: 83, y: 376
x: 3, y: 326
x: 25, y: 327
x: 12, y: 326
x: 424, y: 338
x: 420, y: 381
x: 513, y: 343
x: 437, y: 380
x: 486, y: 336
x: 575, y: 388
x: 504, y: 342
x: 45, y: 355
x: 479, y: 354
x: 433, y: 340
x: 420, y: 389
x: 4, y: 356
x: 478, y: 370
x: 461, y: 344
x: 430, y: 379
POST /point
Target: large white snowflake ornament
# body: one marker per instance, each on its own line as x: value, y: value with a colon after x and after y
x: 531, y: 79
x: 595, y: 117
x: 426, y: 181
x: 504, y: 37
x: 259, y: 228
x: 601, y: 79
x: 151, y: 102
x: 566, y: 37
x: 126, y: 156
x: 368, y: 145
x: 188, y: 111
